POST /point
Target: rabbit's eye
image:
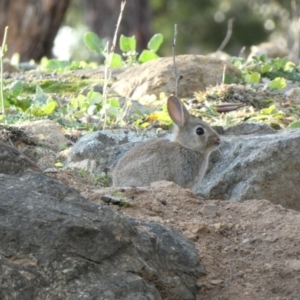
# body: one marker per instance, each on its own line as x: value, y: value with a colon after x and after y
x: 200, y: 131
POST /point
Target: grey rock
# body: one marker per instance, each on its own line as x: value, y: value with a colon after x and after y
x: 54, y: 244
x: 255, y: 166
x: 46, y: 132
x: 249, y: 128
x: 13, y: 161
x: 98, y: 152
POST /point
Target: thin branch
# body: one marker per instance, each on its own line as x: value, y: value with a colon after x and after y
x: 110, y: 53
x: 294, y: 53
x: 228, y: 35
x: 2, y: 50
x: 177, y: 77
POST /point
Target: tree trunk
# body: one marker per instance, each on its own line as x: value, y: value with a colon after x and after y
x: 101, y: 17
x: 33, y: 25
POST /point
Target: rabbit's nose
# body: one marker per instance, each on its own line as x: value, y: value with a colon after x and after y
x: 217, y: 140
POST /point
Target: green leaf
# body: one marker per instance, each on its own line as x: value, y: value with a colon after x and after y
x: 40, y: 95
x: 92, y: 110
x: 114, y: 103
x: 94, y: 97
x: 265, y: 68
x: 16, y: 87
x: 147, y: 55
x: 289, y: 66
x: 45, y: 110
x: 23, y: 104
x: 278, y: 83
x: 127, y: 43
x: 155, y: 42
x: 55, y: 64
x: 116, y: 61
x: 263, y: 58
x: 74, y: 103
x: 93, y: 42
x: 254, y: 77
x: 294, y: 125
x: 278, y: 63
x: 269, y: 110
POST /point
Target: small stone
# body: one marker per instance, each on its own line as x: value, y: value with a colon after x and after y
x: 216, y: 281
x: 200, y: 228
x: 245, y: 241
x: 209, y: 210
x: 218, y: 225
x: 272, y: 239
x: 293, y: 264
x: 230, y: 225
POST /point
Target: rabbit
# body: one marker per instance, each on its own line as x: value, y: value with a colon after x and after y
x: 183, y: 159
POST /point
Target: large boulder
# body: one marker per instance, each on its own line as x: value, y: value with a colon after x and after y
x: 97, y: 152
x: 256, y: 164
x: 54, y: 244
x: 156, y: 76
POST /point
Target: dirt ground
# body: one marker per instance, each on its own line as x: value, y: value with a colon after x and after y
x: 250, y: 250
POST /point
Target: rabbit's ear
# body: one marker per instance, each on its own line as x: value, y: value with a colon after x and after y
x: 177, y: 111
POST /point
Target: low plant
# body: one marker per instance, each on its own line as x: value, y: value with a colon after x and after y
x: 128, y: 46
x: 277, y: 70
x: 59, y: 66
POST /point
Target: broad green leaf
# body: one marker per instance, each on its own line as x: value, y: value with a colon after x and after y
x: 94, y: 97
x: 289, y: 66
x: 117, y: 61
x: 56, y: 64
x: 39, y: 90
x: 294, y: 125
x: 113, y: 111
x: 92, y: 110
x: 114, y: 103
x: 147, y: 55
x: 23, y: 104
x: 49, y: 107
x: 269, y: 110
x: 93, y: 42
x: 145, y: 124
x: 16, y: 87
x: 81, y: 99
x: 45, y: 110
x: 74, y: 103
x: 127, y: 43
x: 254, y: 77
x: 278, y: 63
x: 278, y: 83
x: 155, y: 42
x: 40, y: 95
x: 237, y: 64
x: 263, y: 58
x: 265, y: 68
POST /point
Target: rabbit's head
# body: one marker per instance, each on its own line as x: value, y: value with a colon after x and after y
x: 191, y: 132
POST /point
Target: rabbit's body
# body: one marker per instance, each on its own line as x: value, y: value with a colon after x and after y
x: 184, y: 172
x: 183, y: 159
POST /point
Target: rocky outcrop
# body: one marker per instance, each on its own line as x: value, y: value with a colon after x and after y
x: 54, y: 244
x: 257, y: 162
x: 157, y: 76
